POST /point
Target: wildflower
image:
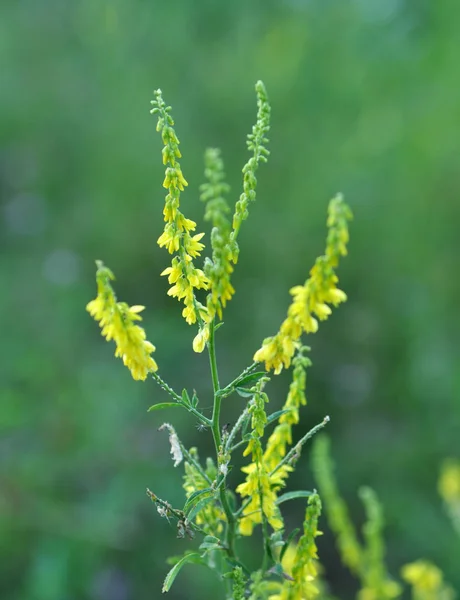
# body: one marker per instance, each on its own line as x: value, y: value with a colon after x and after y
x: 449, y: 482
x: 304, y: 568
x: 311, y: 301
x: 177, y: 237
x: 336, y: 509
x: 263, y: 498
x: 117, y: 321
x: 281, y: 436
x: 256, y: 143
x: 367, y: 560
x: 258, y: 485
x: 377, y: 585
x: 449, y: 489
x: 219, y: 268
x: 427, y: 581
x: 224, y: 234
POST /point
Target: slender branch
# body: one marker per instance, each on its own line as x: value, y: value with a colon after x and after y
x: 235, y: 429
x: 179, y: 514
x: 239, y: 512
x: 167, y: 388
x: 215, y: 426
x: 230, y: 388
x: 296, y: 450
x: 188, y: 457
x: 237, y: 445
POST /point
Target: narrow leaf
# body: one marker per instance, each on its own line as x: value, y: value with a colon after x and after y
x: 276, y: 415
x: 243, y: 392
x: 194, y: 400
x: 291, y: 536
x: 164, y: 405
x: 210, y: 542
x: 171, y: 576
x: 251, y: 378
x: 185, y: 397
x: 199, y: 506
x: 293, y: 496
x: 195, y: 498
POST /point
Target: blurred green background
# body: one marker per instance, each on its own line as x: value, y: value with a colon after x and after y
x: 366, y: 100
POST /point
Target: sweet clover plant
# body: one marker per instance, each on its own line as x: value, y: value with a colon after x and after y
x: 214, y: 517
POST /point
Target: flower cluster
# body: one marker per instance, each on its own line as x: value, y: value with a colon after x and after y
x: 281, y: 436
x: 427, y: 581
x: 218, y: 270
x: 366, y: 560
x: 274, y: 470
x: 449, y: 489
x: 336, y: 509
x: 177, y: 237
x: 258, y: 485
x: 377, y: 585
x: 304, y: 565
x: 256, y: 143
x: 311, y: 301
x: 117, y: 321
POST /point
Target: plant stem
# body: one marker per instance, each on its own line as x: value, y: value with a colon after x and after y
x: 295, y: 450
x: 167, y: 388
x: 215, y: 426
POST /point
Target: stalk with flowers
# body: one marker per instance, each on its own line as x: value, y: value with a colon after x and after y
x: 289, y: 566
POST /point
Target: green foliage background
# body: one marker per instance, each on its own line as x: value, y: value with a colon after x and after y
x: 365, y: 100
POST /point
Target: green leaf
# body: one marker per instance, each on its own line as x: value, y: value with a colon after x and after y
x: 293, y: 496
x: 171, y: 576
x: 210, y: 543
x: 185, y: 397
x: 251, y: 378
x: 243, y: 392
x: 195, y: 498
x: 276, y: 415
x: 164, y: 405
x: 194, y: 400
x: 218, y: 326
x: 199, y: 506
x: 291, y: 536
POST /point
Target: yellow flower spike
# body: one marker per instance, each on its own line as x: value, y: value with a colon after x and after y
x: 427, y: 581
x: 310, y: 301
x: 256, y: 143
x: 116, y: 320
x: 303, y: 559
x: 176, y: 237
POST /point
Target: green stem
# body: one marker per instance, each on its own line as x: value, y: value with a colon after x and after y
x: 295, y: 450
x: 215, y: 426
x: 178, y: 514
x: 235, y: 430
x: 167, y: 388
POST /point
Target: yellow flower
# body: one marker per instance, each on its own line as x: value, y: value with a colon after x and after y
x: 423, y: 576
x: 310, y: 301
x: 176, y: 236
x: 116, y: 320
x: 201, y: 338
x: 449, y: 482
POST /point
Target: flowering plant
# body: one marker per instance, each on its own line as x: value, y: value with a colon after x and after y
x: 289, y: 567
